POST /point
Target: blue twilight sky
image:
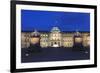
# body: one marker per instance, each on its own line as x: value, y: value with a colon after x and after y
x: 45, y: 20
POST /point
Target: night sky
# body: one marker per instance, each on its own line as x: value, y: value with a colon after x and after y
x: 45, y: 20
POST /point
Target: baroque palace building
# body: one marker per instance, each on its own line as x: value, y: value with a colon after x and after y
x: 55, y: 38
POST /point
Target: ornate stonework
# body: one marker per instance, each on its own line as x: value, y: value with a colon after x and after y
x: 55, y: 38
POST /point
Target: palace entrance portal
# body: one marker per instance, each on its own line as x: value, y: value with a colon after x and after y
x: 55, y: 44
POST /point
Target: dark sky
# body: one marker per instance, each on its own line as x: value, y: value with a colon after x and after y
x: 45, y: 20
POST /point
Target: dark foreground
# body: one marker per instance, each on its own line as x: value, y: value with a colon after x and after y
x: 53, y: 54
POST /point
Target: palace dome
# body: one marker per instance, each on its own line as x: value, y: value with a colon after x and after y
x: 77, y: 33
x: 35, y: 33
x: 55, y: 29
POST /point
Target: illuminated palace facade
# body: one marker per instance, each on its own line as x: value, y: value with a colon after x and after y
x: 55, y: 38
